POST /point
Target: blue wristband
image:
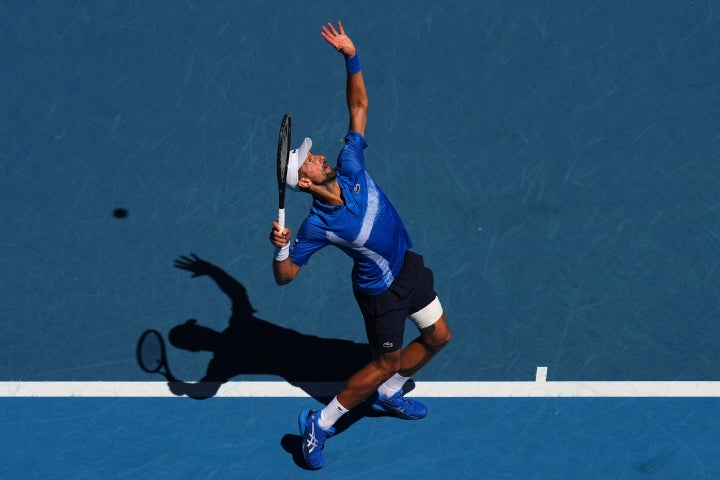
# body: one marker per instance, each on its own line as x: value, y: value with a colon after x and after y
x: 352, y: 64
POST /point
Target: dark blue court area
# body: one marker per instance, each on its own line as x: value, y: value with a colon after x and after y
x: 557, y: 164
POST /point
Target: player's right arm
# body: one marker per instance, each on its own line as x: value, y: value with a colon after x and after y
x: 284, y: 269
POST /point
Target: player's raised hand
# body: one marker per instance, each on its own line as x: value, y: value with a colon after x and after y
x: 338, y: 39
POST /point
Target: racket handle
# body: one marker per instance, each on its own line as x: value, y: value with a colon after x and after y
x: 281, y: 218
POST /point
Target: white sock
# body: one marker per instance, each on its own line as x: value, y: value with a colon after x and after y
x: 392, y: 385
x: 331, y: 414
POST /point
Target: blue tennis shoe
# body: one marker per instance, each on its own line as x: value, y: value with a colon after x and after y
x: 313, y: 438
x: 401, y: 407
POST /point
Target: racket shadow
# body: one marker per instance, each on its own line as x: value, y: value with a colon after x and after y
x: 251, y: 345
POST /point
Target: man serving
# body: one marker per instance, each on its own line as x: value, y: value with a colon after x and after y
x: 390, y: 281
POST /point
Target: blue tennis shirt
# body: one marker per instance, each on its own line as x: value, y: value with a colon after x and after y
x: 366, y: 227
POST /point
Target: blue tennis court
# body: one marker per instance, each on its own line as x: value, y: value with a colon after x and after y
x: 556, y: 163
x: 462, y: 438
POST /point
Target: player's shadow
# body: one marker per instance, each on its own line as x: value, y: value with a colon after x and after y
x: 250, y: 345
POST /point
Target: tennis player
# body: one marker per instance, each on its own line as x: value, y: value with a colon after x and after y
x: 390, y: 281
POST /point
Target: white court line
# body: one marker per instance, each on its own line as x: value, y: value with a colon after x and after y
x: 423, y: 389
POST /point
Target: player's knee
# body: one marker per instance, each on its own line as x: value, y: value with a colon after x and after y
x: 388, y: 363
x: 438, y: 343
x: 437, y: 336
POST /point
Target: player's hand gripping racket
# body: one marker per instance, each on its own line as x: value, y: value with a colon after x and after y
x: 283, y: 154
x: 151, y: 354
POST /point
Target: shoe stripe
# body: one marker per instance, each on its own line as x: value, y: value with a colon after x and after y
x: 311, y: 441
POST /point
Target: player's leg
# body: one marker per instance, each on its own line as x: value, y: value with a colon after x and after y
x: 366, y: 381
x: 385, y: 328
x: 317, y: 426
x: 386, y: 343
x: 427, y: 313
x: 434, y: 335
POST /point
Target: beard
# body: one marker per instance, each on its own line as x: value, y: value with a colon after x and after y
x: 330, y: 177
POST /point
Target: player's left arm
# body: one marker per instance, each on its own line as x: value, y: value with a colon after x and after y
x: 356, y: 92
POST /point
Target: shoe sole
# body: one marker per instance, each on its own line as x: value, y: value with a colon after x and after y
x: 391, y: 413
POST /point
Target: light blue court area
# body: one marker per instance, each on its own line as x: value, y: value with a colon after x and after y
x: 541, y: 438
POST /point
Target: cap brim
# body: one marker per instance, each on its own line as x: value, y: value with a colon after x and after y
x: 296, y: 158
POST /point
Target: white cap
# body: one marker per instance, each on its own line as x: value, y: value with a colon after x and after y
x: 296, y: 158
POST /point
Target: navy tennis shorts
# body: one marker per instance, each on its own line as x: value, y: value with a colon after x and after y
x: 385, y: 313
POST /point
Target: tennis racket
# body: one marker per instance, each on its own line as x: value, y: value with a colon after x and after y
x: 151, y: 354
x: 283, y: 154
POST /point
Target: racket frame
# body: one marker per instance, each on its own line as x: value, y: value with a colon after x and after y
x: 283, y: 155
x: 162, y: 364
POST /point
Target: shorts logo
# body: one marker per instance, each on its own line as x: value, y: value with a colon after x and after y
x: 357, y: 188
x: 388, y: 345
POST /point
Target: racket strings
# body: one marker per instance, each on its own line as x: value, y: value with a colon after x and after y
x: 151, y: 352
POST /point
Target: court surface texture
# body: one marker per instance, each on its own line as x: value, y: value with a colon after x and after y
x: 556, y: 164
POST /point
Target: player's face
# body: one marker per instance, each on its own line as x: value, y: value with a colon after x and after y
x: 317, y: 169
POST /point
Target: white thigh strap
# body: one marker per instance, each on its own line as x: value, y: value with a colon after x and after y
x: 428, y: 315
